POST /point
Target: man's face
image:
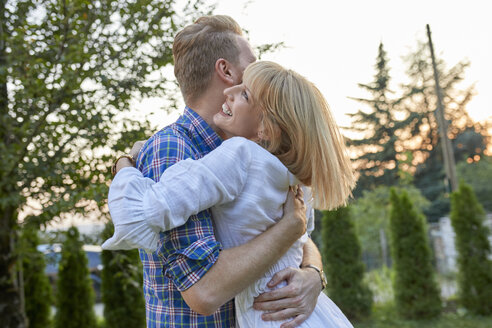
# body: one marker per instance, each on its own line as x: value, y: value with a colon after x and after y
x: 246, y: 57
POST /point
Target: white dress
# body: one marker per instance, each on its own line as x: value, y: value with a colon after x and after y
x: 245, y: 186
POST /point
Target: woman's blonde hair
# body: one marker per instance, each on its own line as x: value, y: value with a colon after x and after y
x: 298, y: 127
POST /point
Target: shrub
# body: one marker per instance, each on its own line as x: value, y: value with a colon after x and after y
x: 475, y: 268
x: 344, y: 269
x: 416, y: 291
x: 75, y: 297
x: 122, y: 295
x: 37, y: 288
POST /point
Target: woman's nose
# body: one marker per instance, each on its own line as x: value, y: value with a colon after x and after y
x: 228, y: 93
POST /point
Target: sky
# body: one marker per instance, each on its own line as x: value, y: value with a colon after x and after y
x: 335, y: 43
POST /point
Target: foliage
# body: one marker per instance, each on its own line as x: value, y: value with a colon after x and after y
x: 385, y: 316
x: 377, y: 157
x: 475, y: 267
x: 416, y: 291
x: 68, y: 73
x: 124, y: 305
x: 75, y: 297
x: 344, y: 269
x: 37, y: 288
x: 371, y: 214
x: 379, y: 282
x: 430, y: 175
x: 475, y: 174
x: 421, y: 135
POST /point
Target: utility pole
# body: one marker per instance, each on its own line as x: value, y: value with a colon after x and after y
x: 447, y: 149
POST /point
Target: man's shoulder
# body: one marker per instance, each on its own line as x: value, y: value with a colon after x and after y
x: 166, y: 147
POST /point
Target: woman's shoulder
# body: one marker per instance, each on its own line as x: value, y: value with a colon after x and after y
x: 241, y: 143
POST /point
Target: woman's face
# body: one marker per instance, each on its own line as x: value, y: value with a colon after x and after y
x: 239, y: 116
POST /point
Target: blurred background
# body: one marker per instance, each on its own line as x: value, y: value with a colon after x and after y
x: 80, y: 81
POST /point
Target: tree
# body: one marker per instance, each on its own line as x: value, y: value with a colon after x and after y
x: 124, y: 305
x: 475, y: 172
x: 475, y: 267
x: 377, y: 160
x: 420, y: 135
x: 75, y: 297
x: 371, y: 214
x: 344, y: 269
x: 416, y: 292
x: 68, y: 71
x: 37, y: 289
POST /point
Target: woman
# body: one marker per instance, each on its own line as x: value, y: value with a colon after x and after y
x: 280, y: 133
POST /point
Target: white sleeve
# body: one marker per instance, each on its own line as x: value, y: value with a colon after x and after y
x: 186, y: 188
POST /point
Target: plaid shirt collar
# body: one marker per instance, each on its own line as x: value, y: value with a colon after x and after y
x: 204, y: 137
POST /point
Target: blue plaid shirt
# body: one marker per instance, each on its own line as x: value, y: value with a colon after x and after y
x: 186, y: 253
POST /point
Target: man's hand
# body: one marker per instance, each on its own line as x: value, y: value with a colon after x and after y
x: 295, y: 301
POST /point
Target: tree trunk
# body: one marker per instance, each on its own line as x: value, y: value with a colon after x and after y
x: 11, y: 314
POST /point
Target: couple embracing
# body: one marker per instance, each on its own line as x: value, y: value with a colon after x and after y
x: 220, y: 202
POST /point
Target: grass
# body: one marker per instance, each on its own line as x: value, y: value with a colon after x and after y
x: 385, y: 316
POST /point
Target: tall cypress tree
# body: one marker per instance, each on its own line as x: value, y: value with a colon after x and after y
x: 377, y: 163
x: 75, y: 297
x: 37, y: 288
x: 344, y: 268
x: 124, y: 305
x: 416, y: 292
x: 475, y: 268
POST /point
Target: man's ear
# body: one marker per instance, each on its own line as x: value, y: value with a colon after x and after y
x: 223, y: 68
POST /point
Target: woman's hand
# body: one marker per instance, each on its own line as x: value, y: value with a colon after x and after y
x: 295, y: 210
x: 136, y: 148
x: 125, y: 162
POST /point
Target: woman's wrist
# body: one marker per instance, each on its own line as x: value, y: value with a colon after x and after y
x: 121, y: 162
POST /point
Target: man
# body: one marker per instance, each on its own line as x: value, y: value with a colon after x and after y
x: 189, y: 281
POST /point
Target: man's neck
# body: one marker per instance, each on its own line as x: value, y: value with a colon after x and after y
x: 207, y: 105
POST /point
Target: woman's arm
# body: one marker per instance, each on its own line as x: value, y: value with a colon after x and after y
x: 140, y: 208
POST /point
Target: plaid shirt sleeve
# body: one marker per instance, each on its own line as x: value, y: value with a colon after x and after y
x: 190, y: 250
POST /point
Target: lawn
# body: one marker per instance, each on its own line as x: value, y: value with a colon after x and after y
x: 384, y: 316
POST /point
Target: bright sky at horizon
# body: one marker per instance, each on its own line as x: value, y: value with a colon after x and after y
x: 335, y: 43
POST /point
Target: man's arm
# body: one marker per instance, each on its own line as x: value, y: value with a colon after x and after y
x: 238, y: 267
x: 298, y: 299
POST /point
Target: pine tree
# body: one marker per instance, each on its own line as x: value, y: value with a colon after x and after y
x: 344, y: 269
x: 75, y: 297
x: 377, y: 162
x: 421, y: 131
x: 37, y: 288
x: 475, y: 267
x: 124, y: 305
x: 416, y: 292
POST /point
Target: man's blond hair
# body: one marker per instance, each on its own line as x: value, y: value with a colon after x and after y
x: 198, y: 46
x: 298, y: 128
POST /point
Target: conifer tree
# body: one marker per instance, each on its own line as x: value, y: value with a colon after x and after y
x: 421, y: 131
x: 122, y: 295
x: 344, y: 269
x: 75, y: 297
x: 475, y: 266
x: 416, y: 292
x: 37, y: 288
x: 378, y: 156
